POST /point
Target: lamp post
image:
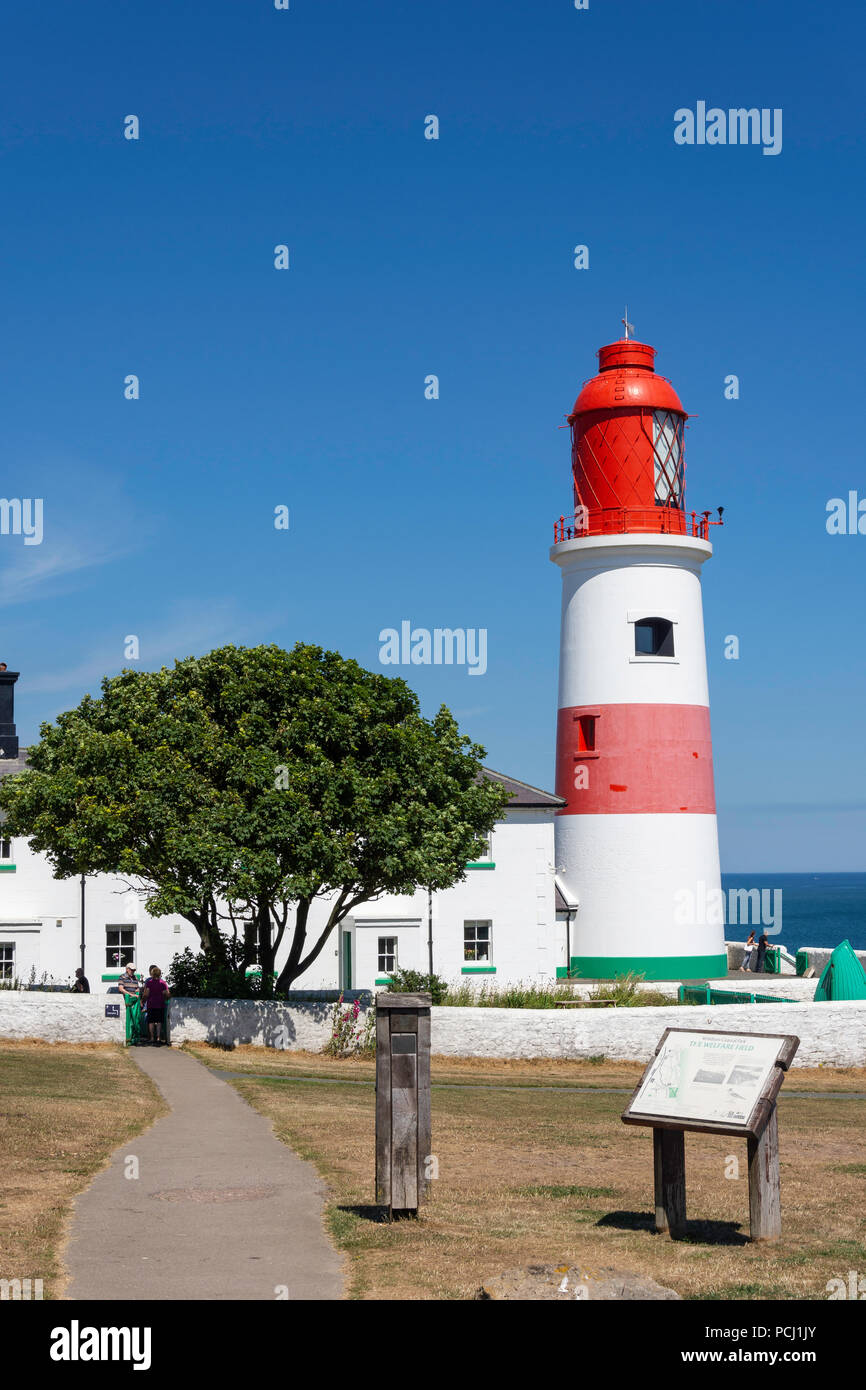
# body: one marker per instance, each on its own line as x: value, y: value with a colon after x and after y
x: 82, y: 926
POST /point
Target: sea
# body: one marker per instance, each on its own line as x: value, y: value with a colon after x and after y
x: 816, y: 909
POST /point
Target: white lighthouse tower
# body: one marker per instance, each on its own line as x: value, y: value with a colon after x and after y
x: 636, y: 845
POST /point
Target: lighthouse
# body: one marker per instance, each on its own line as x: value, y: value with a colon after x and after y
x: 637, y: 843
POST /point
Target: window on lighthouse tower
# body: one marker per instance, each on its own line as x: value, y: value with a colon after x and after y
x: 669, y: 462
x: 586, y: 733
x: 654, y: 637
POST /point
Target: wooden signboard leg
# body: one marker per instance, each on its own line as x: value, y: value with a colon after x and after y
x: 383, y: 1110
x: 765, y: 1198
x: 669, y: 1163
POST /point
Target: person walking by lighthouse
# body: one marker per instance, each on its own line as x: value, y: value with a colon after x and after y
x: 749, y: 952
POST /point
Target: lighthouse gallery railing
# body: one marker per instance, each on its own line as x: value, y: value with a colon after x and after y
x: 619, y: 520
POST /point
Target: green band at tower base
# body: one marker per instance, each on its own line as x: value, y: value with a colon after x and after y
x: 651, y: 967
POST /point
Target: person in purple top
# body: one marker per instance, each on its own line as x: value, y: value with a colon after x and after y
x: 154, y: 997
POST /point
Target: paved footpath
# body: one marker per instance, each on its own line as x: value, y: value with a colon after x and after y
x: 221, y: 1208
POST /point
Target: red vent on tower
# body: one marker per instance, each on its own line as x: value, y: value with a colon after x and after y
x: 628, y: 457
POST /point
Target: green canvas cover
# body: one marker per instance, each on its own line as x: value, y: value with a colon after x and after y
x: 843, y: 977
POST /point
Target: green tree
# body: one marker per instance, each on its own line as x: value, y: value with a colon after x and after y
x: 245, y: 784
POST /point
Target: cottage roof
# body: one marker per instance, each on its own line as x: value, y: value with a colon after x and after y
x: 523, y: 793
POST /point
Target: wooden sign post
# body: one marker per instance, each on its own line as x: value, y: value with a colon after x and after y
x: 714, y: 1082
x: 402, y: 1101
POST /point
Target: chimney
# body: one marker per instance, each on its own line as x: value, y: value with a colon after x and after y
x: 8, y: 736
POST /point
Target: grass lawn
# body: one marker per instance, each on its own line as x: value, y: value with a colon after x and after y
x: 535, y: 1176
x: 63, y: 1109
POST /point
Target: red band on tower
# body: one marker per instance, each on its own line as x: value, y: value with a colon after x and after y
x: 644, y: 759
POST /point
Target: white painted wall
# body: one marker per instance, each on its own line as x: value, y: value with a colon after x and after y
x: 819, y: 956
x: 517, y: 896
x: 32, y: 901
x: 830, y: 1034
x: 59, y: 1017
x: 632, y: 871
x: 628, y: 871
x: 607, y: 579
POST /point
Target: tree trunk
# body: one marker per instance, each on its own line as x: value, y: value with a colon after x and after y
x: 266, y: 947
x: 208, y: 933
x: 250, y: 946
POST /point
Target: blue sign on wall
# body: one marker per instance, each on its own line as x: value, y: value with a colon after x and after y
x: 112, y: 1011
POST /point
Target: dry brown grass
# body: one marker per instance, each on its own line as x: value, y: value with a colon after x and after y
x: 479, y: 1071
x: 63, y: 1109
x: 537, y: 1176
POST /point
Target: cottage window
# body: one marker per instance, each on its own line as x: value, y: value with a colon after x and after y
x: 119, y: 947
x: 387, y: 955
x: 477, y: 941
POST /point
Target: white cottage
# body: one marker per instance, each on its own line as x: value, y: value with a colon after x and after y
x: 506, y: 921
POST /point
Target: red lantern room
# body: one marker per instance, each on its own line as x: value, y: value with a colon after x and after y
x: 628, y: 457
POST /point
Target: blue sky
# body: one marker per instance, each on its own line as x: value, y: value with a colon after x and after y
x: 453, y: 257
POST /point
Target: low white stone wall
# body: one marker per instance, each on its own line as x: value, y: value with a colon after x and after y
x: 59, y: 1017
x: 81, y: 1018
x: 789, y: 986
x: 830, y: 1034
x: 305, y: 1025
x: 818, y: 957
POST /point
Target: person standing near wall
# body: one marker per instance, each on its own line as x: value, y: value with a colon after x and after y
x: 129, y: 988
x: 154, y: 997
x: 749, y: 952
x: 81, y: 984
x: 763, y: 943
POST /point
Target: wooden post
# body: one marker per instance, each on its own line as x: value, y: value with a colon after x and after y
x: 765, y: 1197
x: 669, y: 1166
x: 402, y: 1101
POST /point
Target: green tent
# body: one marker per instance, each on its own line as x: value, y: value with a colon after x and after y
x: 843, y: 976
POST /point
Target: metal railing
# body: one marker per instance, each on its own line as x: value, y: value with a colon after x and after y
x: 640, y: 520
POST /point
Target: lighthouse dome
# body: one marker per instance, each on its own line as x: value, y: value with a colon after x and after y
x: 626, y: 378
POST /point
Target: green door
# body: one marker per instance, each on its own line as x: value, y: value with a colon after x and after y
x: 347, y: 960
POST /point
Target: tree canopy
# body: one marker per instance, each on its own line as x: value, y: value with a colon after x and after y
x: 245, y: 784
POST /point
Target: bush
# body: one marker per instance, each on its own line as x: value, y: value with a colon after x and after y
x: 414, y: 982
x: 521, y: 995
x: 349, y: 1038
x: 219, y: 974
x: 625, y: 991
